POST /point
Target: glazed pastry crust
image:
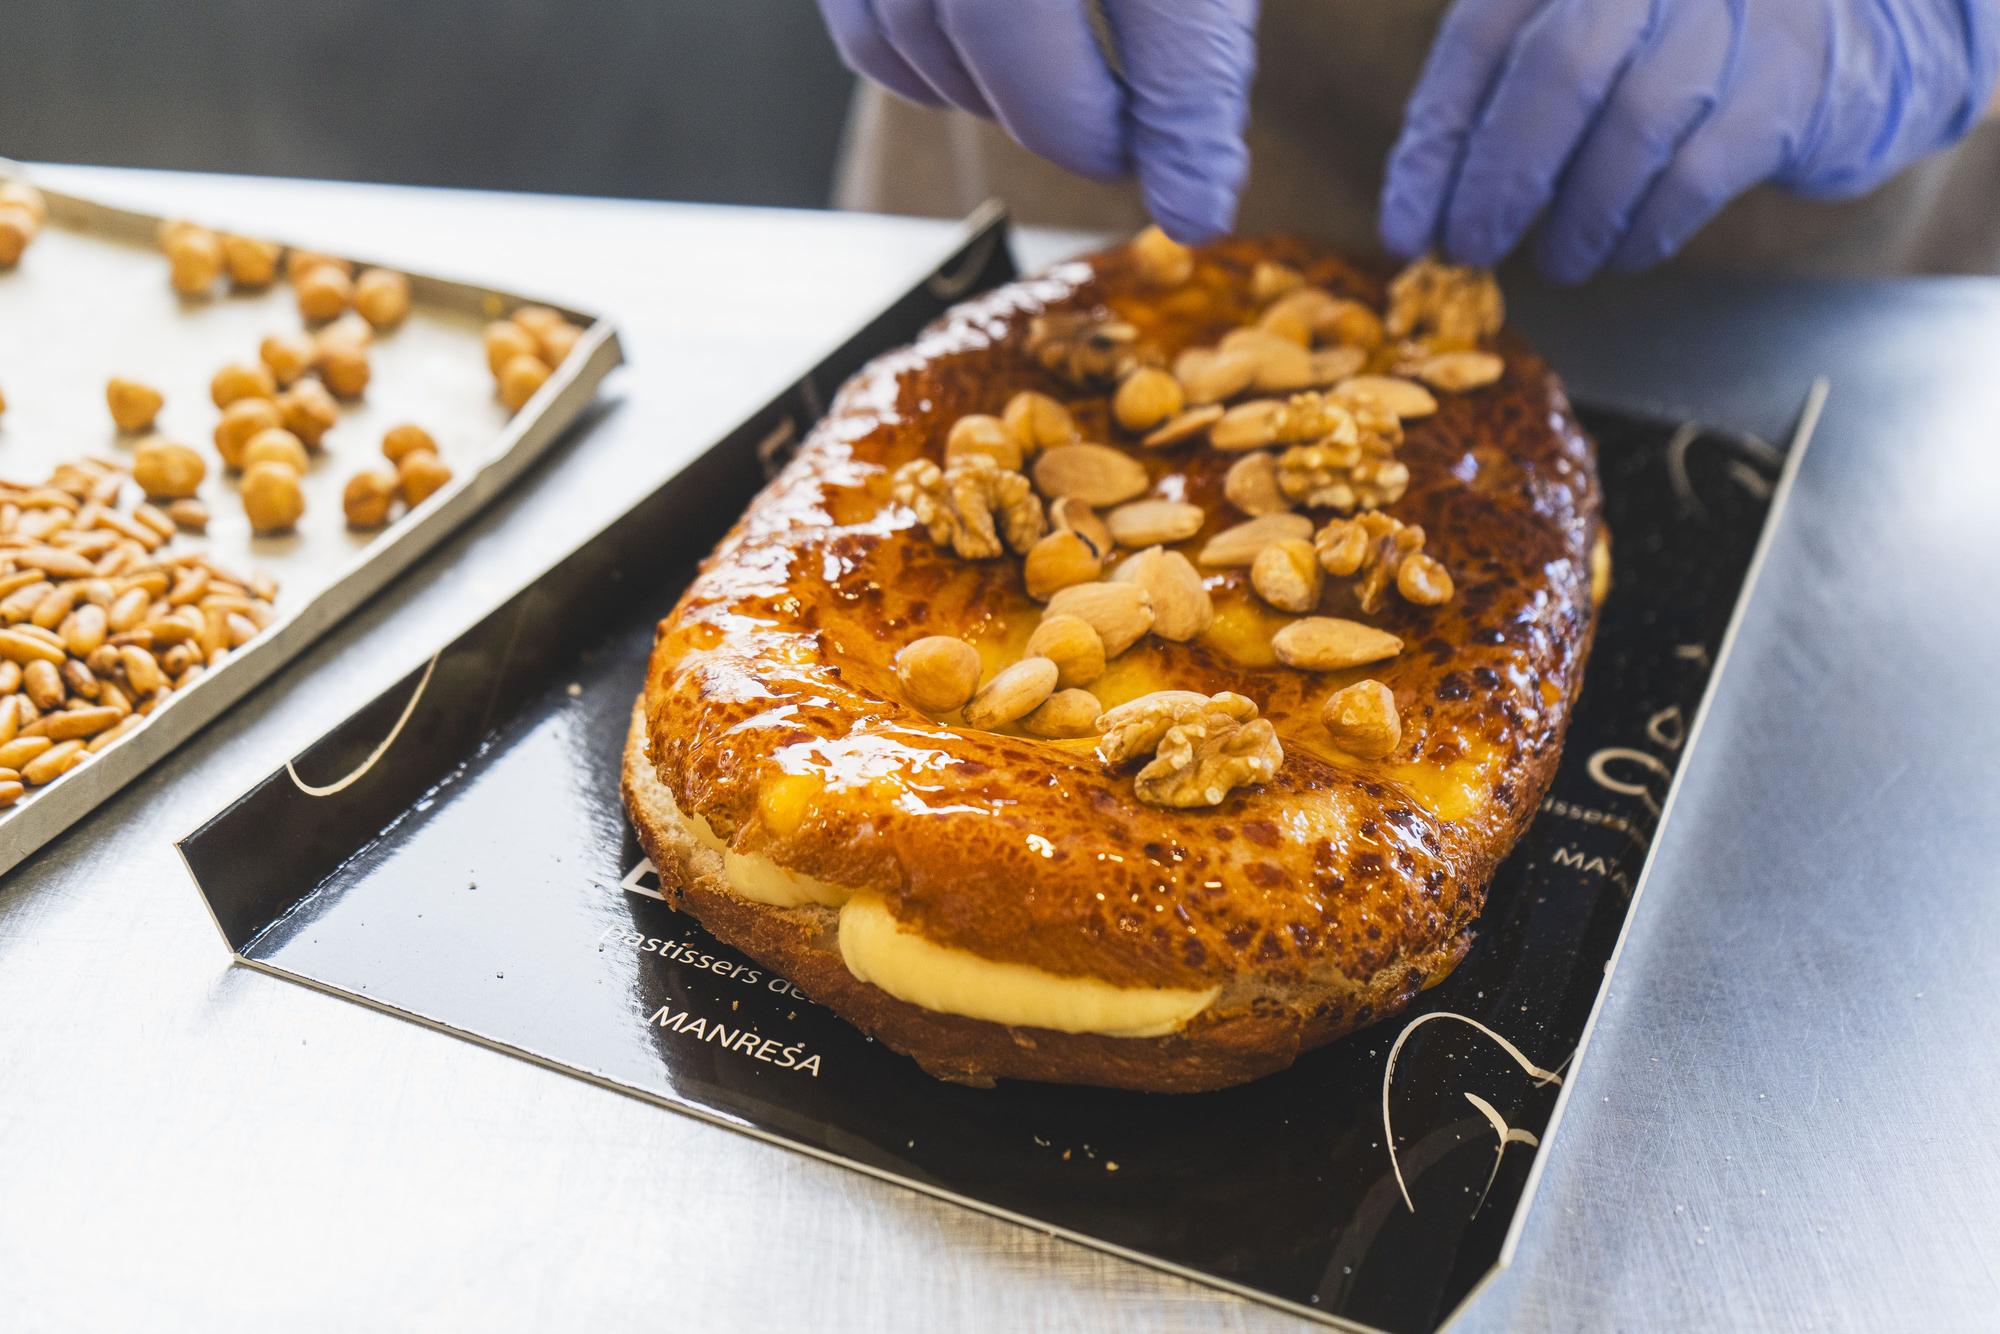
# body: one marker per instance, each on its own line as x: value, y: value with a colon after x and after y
x: 1318, y: 903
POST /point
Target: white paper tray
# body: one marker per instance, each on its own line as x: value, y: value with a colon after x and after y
x: 91, y: 300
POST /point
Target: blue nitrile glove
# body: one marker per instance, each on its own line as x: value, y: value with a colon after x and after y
x: 1172, y: 111
x: 1626, y: 124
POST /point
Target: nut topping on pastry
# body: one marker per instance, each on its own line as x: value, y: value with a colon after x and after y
x: 1203, y: 746
x: 960, y: 502
x: 1455, y: 305
x: 939, y: 673
x: 1088, y: 351
x: 1037, y: 421
x: 1382, y: 550
x: 1362, y: 720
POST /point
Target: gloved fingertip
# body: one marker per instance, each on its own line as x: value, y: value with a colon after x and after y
x: 1193, y: 217
x: 1473, y: 241
x: 1404, y: 227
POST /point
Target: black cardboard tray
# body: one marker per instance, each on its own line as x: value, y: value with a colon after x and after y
x: 480, y: 878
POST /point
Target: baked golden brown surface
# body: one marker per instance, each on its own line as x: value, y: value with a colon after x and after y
x: 1302, y: 907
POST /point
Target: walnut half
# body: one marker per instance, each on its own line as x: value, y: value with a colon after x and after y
x: 1379, y: 550
x: 1202, y: 746
x: 960, y: 503
x: 1454, y: 306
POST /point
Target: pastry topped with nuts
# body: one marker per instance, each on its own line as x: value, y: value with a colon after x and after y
x: 1136, y: 681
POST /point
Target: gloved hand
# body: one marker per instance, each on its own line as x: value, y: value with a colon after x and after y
x: 1626, y: 124
x: 1173, y: 110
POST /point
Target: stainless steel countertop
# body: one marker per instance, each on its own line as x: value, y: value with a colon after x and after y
x: 1782, y: 1122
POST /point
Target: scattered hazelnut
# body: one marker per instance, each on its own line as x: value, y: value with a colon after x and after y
x: 1162, y: 261
x: 23, y: 195
x: 556, y: 342
x: 1058, y: 560
x: 382, y: 297
x: 938, y: 673
x: 344, y: 368
x: 506, y: 340
x: 242, y: 380
x: 1073, y: 645
x: 978, y: 433
x: 367, y: 498
x: 519, y: 380
x: 308, y: 412
x: 1287, y: 575
x: 350, y: 328
x: 18, y: 229
x: 272, y: 497
x: 251, y: 263
x: 324, y: 292
x: 241, y: 422
x: 194, y: 259
x: 1148, y: 397
x: 287, y: 355
x: 401, y: 440
x: 420, y: 472
x: 1037, y: 421
x: 166, y: 470
x: 301, y: 262
x: 1363, y: 720
x: 276, y: 446
x: 133, y: 405
x: 537, y: 320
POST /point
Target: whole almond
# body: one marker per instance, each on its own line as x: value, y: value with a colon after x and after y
x: 1455, y: 372
x: 1286, y: 574
x: 1119, y: 612
x: 1065, y: 715
x: 1330, y: 365
x: 1249, y: 425
x: 1183, y: 426
x: 1251, y: 484
x: 939, y: 673
x: 1327, y: 644
x: 1211, y: 376
x: 1239, y: 546
x: 1406, y: 398
x: 1147, y: 523
x: 1072, y: 645
x: 1097, y: 475
x: 1014, y: 692
x: 1182, y: 608
x: 1058, y: 560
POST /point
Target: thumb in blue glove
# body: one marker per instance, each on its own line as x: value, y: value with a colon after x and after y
x: 1625, y: 125
x: 1169, y: 104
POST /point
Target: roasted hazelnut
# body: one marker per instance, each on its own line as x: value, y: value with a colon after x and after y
x: 383, y: 297
x: 324, y: 292
x: 241, y: 422
x: 344, y: 368
x: 166, y: 470
x: 301, y: 262
x: 18, y: 229
x: 308, y: 411
x: 1060, y: 559
x: 20, y: 194
x: 1037, y: 422
x: 1148, y: 397
x: 556, y: 342
x: 519, y: 380
x: 506, y: 340
x: 242, y: 380
x: 133, y: 405
x: 401, y: 440
x: 276, y: 446
x: 367, y: 498
x: 537, y: 320
x: 1363, y: 721
x: 287, y: 355
x: 272, y: 497
x: 251, y: 263
x: 419, y: 473
x: 1162, y: 261
x: 194, y: 259
x: 977, y: 433
x: 938, y: 673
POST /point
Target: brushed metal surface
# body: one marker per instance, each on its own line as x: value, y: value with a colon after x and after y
x: 1781, y: 1125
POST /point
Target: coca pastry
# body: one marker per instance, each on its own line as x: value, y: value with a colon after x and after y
x: 1136, y: 681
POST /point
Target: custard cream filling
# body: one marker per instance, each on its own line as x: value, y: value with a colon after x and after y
x: 877, y: 949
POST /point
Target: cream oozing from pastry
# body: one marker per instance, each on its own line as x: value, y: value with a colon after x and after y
x: 877, y: 949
